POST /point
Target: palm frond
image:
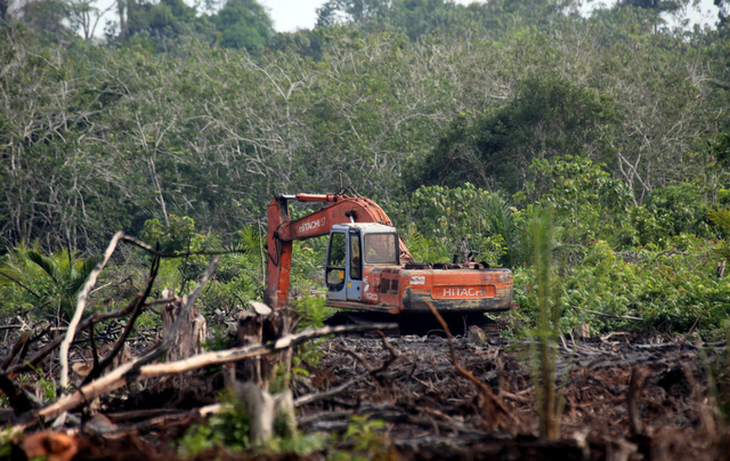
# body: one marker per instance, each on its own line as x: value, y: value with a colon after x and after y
x: 45, y: 263
x: 248, y: 240
x: 720, y: 217
x: 82, y: 273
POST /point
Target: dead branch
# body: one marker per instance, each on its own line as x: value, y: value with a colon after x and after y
x: 184, y: 313
x: 393, y: 353
x: 235, y: 354
x: 152, y: 250
x: 319, y: 396
x: 370, y: 369
x: 635, y: 386
x: 80, y: 306
x: 131, y: 370
x: 19, y: 345
x: 373, y: 372
x: 136, y: 312
x: 704, y: 408
x: 20, y: 284
x: 96, y: 317
x: 494, y: 408
x: 17, y: 398
x: 615, y: 316
x: 157, y: 418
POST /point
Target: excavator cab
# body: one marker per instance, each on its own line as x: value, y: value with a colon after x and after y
x: 352, y: 248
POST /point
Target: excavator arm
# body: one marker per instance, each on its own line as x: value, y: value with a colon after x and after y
x: 283, y: 231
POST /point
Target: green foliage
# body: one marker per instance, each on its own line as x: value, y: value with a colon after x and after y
x: 721, y: 218
x: 669, y: 212
x: 588, y: 203
x: 363, y: 440
x: 499, y: 145
x: 720, y: 148
x: 197, y: 439
x: 308, y: 265
x: 244, y: 24
x: 674, y: 289
x: 423, y: 248
x: 212, y: 133
x: 310, y: 312
x: 6, y: 437
x: 173, y: 236
x: 601, y: 283
x: 399, y: 97
x: 229, y: 430
x: 460, y: 217
x: 239, y: 277
x: 547, y: 329
x: 49, y: 283
x: 678, y: 208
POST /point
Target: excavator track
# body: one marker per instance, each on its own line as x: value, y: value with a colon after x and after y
x: 420, y: 324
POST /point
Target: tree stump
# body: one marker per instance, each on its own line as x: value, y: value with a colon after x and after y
x: 192, y: 333
x: 264, y: 410
x: 260, y: 324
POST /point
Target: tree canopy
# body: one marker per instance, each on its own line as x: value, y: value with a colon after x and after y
x: 207, y: 113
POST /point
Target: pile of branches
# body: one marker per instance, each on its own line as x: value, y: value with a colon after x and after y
x: 70, y: 410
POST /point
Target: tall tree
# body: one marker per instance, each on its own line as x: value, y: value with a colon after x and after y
x: 244, y: 24
x: 351, y: 11
x: 547, y: 117
x: 723, y: 12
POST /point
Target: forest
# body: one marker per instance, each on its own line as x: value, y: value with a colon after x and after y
x: 587, y: 152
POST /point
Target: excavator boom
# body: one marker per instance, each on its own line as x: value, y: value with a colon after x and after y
x: 283, y: 231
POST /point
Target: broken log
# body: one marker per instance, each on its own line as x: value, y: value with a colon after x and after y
x: 135, y: 370
x: 80, y: 306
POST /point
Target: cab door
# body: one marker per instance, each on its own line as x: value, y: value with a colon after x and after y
x: 334, y: 271
x: 354, y: 267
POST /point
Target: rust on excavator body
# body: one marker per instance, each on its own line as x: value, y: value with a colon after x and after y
x: 398, y: 290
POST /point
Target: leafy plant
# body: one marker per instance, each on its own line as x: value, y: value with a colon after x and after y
x: 174, y: 235
x: 53, y: 280
x: 6, y: 437
x: 230, y: 428
x: 310, y: 311
x: 587, y: 201
x: 448, y: 220
x: 363, y: 440
x: 547, y: 330
x: 423, y: 248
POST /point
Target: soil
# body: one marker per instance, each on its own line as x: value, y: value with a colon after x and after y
x: 624, y: 398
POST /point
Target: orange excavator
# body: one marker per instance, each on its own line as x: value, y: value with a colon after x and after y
x: 369, y: 268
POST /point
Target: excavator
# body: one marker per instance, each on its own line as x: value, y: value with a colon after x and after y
x: 368, y: 267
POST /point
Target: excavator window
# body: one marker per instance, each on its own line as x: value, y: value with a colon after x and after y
x: 355, y: 256
x: 381, y: 249
x: 336, y: 262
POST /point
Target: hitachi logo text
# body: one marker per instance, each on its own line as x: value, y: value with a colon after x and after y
x: 470, y: 292
x: 311, y: 225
